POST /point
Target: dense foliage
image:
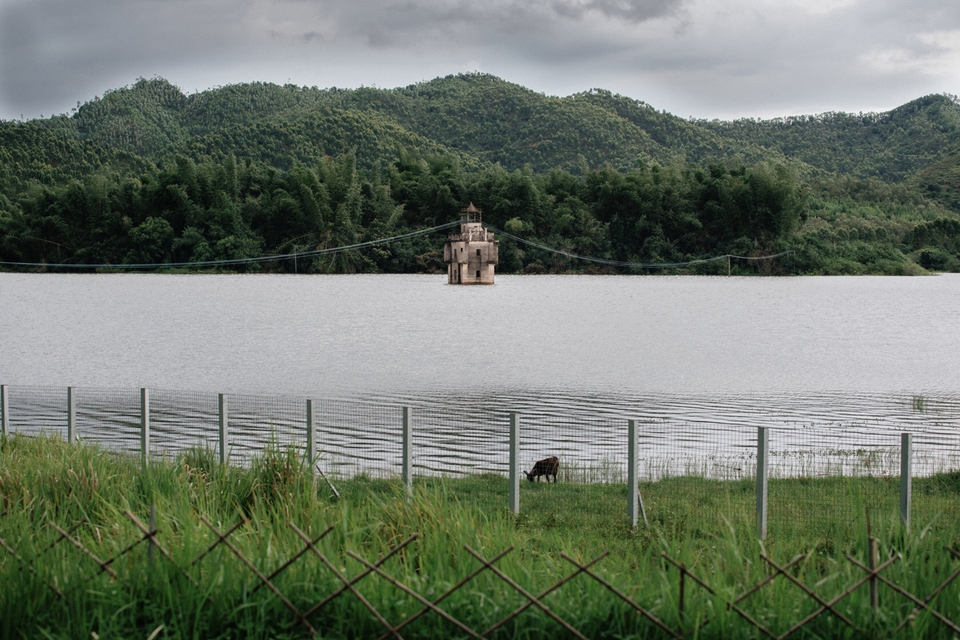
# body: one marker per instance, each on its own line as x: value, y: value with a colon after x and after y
x: 890, y: 146
x: 146, y: 174
x: 32, y: 155
x: 940, y: 182
x: 192, y: 212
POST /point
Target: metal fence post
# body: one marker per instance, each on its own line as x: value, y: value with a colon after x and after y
x: 145, y: 427
x: 71, y: 416
x: 311, y: 439
x: 763, y: 451
x: 223, y: 412
x: 906, y: 477
x: 5, y: 410
x: 514, y: 463
x: 632, y: 493
x: 407, y: 453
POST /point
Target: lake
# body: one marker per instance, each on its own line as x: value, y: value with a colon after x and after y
x: 692, y: 357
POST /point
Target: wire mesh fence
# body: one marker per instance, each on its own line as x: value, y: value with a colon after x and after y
x: 357, y: 438
x: 684, y: 469
x: 591, y: 466
x: 33, y: 409
x: 810, y: 466
x: 181, y: 420
x: 256, y: 422
x: 459, y: 444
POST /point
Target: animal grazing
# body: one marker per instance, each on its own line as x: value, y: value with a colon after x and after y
x: 546, y: 467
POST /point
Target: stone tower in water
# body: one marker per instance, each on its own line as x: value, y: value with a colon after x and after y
x: 471, y: 254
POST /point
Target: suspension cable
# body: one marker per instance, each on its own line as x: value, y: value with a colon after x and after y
x: 623, y: 263
x: 381, y: 241
x: 238, y: 261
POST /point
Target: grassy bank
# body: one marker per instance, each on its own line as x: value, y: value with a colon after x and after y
x: 707, y: 525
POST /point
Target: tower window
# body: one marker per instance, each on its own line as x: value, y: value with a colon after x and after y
x: 478, y: 274
x: 478, y: 251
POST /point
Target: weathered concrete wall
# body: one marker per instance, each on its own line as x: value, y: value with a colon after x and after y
x: 471, y: 255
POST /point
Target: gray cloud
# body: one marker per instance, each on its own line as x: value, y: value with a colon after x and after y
x: 631, y: 10
x: 55, y: 52
x: 691, y: 57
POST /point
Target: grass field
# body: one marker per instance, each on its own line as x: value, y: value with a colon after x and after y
x: 708, y: 525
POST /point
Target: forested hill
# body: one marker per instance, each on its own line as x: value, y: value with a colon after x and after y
x: 890, y: 146
x: 477, y: 116
x: 34, y: 155
x: 492, y: 120
x: 321, y: 133
x: 940, y: 182
x: 147, y: 174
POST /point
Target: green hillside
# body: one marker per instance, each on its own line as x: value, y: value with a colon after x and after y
x: 890, y: 146
x: 148, y: 175
x: 324, y: 132
x: 153, y: 115
x: 940, y: 181
x: 472, y: 114
x: 34, y: 155
x: 497, y: 121
x: 504, y: 123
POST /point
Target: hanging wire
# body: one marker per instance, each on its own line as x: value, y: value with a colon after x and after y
x: 623, y: 263
x: 381, y: 241
x: 213, y: 263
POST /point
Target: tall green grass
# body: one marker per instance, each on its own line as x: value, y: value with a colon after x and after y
x: 47, y: 480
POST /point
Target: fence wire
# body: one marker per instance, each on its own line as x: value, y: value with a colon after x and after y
x: 807, y: 469
x: 108, y: 418
x: 699, y: 470
x: 695, y: 472
x: 36, y: 410
x: 809, y: 466
x: 456, y: 444
x: 182, y: 420
x: 591, y: 458
x: 258, y: 422
x: 357, y: 438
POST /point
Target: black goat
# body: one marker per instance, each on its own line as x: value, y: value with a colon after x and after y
x: 546, y: 467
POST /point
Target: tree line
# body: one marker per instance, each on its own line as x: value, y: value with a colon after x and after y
x: 189, y: 212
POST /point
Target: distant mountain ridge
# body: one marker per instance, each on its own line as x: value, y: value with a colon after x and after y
x: 890, y: 146
x: 484, y: 119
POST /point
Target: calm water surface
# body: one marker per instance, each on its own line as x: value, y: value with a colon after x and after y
x: 412, y: 334
x: 692, y: 350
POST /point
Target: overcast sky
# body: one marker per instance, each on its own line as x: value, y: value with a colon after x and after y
x: 703, y: 58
